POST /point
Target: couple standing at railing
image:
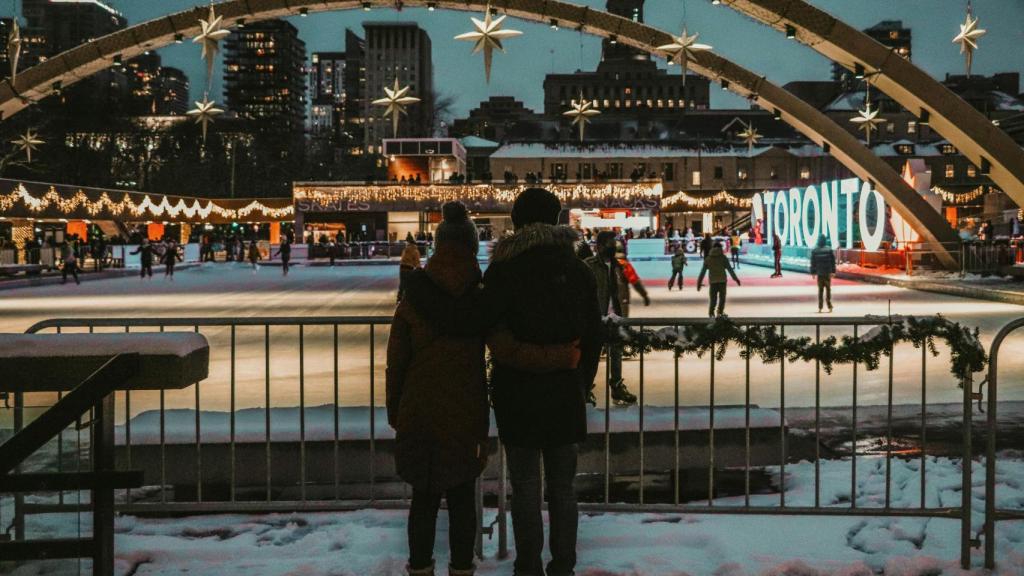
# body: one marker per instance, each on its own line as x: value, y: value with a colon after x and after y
x: 538, y: 313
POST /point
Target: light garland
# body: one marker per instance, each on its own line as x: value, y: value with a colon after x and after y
x: 197, y: 210
x: 427, y: 195
x: 964, y: 197
x: 681, y: 200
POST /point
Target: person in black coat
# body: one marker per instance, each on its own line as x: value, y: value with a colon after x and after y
x: 539, y: 290
x: 171, y: 256
x: 285, y: 252
x: 145, y: 252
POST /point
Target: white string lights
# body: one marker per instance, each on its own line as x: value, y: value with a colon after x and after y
x: 684, y: 201
x: 198, y: 210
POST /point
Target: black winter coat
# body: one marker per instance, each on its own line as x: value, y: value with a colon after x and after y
x: 540, y: 291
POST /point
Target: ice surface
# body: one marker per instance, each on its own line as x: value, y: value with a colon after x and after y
x: 354, y: 423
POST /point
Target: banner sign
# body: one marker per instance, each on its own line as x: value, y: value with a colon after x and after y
x: 843, y: 211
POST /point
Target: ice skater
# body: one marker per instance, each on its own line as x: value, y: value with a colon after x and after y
x: 171, y: 257
x: 254, y: 255
x: 823, y: 267
x: 777, y: 253
x: 70, y: 263
x: 715, y: 266
x: 734, y: 245
x: 145, y: 252
x: 678, y: 263
x: 285, y: 252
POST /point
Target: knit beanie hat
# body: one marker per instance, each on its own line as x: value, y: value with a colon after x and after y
x: 535, y: 205
x: 457, y: 228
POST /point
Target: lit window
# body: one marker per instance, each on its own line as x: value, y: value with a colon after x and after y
x: 911, y: 127
x: 695, y: 178
x: 948, y: 149
x: 805, y: 173
x: 741, y: 174
x: 950, y: 171
x: 971, y: 171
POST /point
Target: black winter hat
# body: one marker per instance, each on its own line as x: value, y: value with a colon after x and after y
x: 457, y: 227
x: 535, y: 205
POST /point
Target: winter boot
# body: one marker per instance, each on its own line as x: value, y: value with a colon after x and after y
x: 428, y: 571
x: 621, y: 395
x: 452, y: 571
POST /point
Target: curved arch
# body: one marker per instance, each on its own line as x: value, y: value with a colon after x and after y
x: 84, y: 60
x: 948, y: 114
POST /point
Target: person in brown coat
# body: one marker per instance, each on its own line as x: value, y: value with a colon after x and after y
x: 437, y: 399
x: 410, y: 261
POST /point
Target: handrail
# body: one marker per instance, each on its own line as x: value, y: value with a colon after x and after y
x: 867, y: 320
x: 990, y: 449
x: 69, y: 408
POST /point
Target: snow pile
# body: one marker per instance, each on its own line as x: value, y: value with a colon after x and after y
x: 373, y: 542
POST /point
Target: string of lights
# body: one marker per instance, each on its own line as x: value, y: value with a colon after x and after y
x: 950, y: 197
x: 474, y: 194
x: 682, y: 200
x: 146, y: 208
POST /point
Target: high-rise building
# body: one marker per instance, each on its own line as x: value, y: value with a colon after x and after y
x: 354, y: 84
x: 143, y: 83
x: 327, y: 94
x: 397, y: 50
x: 173, y: 96
x: 627, y: 81
x: 264, y: 75
x: 67, y: 23
x: 889, y: 33
x: 54, y: 26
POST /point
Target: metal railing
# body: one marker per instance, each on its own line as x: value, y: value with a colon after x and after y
x: 992, y: 513
x: 649, y: 460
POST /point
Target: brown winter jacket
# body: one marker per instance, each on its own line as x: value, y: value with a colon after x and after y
x: 436, y: 384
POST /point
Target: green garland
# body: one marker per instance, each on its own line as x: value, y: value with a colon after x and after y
x: 768, y: 343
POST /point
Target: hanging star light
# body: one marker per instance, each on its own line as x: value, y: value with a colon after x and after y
x: 683, y: 49
x: 28, y: 142
x: 204, y: 113
x: 868, y: 120
x: 488, y: 36
x: 968, y: 38
x: 14, y: 48
x: 210, y: 36
x: 396, y: 100
x: 581, y: 112
x: 750, y: 136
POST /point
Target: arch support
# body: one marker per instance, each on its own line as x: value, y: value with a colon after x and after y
x: 970, y: 131
x: 87, y: 59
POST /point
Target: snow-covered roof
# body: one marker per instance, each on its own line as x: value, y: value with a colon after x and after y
x: 478, y: 142
x: 638, y: 151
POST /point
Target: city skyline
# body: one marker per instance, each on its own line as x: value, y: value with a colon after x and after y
x: 520, y: 72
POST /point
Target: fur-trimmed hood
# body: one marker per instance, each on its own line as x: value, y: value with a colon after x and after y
x: 534, y: 236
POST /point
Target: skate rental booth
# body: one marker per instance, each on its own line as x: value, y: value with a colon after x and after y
x: 43, y: 216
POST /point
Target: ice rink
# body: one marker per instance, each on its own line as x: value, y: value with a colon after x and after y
x: 234, y: 290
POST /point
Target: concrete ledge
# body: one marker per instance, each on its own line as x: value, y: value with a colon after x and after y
x: 940, y: 287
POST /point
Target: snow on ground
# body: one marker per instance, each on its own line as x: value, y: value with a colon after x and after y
x: 373, y: 542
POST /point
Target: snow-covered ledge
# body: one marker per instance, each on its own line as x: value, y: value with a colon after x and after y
x: 56, y: 362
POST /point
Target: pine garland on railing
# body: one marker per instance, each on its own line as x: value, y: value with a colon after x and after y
x: 967, y: 355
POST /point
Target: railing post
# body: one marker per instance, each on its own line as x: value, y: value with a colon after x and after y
x: 103, y: 497
x: 502, y: 503
x: 965, y: 479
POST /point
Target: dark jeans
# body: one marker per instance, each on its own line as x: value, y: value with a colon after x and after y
x: 147, y: 269
x: 716, y: 294
x: 672, y: 280
x: 69, y: 269
x: 778, y: 264
x: 614, y: 363
x: 527, y: 522
x: 824, y: 289
x: 284, y: 264
x: 462, y: 525
x: 735, y: 257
